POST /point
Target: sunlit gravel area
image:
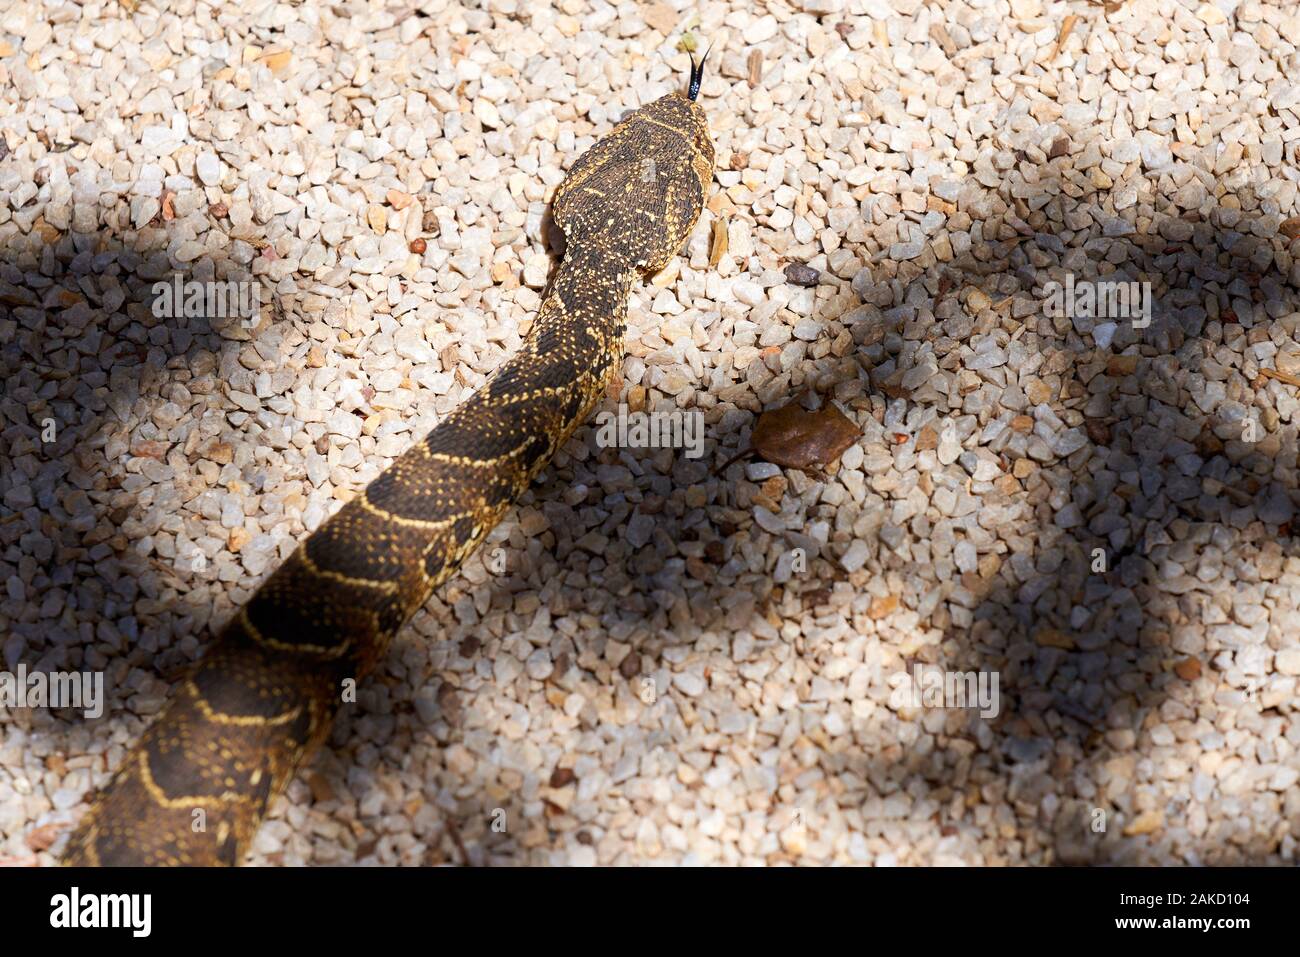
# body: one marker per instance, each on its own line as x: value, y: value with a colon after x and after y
x: 655, y: 661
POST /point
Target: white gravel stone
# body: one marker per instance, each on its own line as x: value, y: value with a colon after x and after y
x: 208, y: 167
x: 760, y: 30
x: 689, y: 683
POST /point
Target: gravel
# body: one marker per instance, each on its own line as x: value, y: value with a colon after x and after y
x: 713, y: 661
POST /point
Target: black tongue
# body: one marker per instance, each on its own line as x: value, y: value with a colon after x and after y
x: 697, y: 75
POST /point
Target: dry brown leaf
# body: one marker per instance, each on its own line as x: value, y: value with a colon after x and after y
x: 793, y: 437
x: 717, y: 242
x: 1189, y: 669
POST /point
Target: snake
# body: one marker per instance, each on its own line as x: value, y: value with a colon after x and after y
x: 234, y: 731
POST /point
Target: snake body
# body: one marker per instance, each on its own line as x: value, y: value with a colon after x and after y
x: 194, y: 789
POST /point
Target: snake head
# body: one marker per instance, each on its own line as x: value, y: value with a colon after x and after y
x: 637, y: 193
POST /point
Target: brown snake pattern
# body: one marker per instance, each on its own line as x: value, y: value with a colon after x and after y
x: 195, y: 788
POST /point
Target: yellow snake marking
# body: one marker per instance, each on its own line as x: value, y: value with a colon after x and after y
x: 318, y: 651
x: 446, y: 458
x: 424, y: 524
x: 245, y: 721
x: 387, y: 587
x: 695, y: 150
x: 532, y: 396
x: 185, y: 803
x: 670, y: 129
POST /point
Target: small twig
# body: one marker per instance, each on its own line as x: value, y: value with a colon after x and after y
x: 742, y: 454
x: 1240, y: 496
x: 1280, y: 376
x: 450, y: 827
x: 1066, y: 27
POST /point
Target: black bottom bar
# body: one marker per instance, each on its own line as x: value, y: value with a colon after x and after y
x: 333, y: 907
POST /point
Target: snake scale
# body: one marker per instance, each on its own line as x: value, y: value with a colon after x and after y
x: 194, y: 789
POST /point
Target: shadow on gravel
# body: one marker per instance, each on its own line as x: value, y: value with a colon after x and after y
x: 1140, y: 492
x: 82, y: 353
x: 1089, y: 661
x: 100, y: 448
x: 1145, y: 491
